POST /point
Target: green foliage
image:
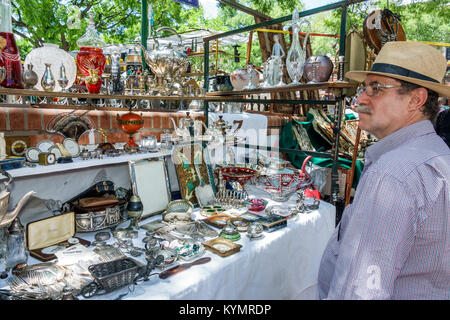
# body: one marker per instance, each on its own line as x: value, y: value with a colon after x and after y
x: 119, y: 21
x: 421, y: 21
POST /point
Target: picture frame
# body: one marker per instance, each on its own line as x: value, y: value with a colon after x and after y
x: 150, y: 182
x: 185, y: 157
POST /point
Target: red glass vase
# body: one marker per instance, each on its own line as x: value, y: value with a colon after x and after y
x: 89, y: 58
x: 10, y: 59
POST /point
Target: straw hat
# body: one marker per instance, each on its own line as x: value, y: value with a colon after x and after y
x: 413, y: 62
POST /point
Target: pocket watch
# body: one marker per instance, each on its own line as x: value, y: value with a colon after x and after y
x: 32, y: 154
x: 72, y: 147
x: 47, y: 158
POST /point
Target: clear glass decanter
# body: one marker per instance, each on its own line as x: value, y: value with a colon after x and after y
x: 295, y: 60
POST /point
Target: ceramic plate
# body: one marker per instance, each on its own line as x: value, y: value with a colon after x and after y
x: 44, y: 145
x: 72, y: 147
x: 32, y: 154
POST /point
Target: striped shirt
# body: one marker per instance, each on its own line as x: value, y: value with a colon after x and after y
x: 394, y: 239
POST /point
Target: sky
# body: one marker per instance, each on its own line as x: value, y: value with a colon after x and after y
x: 211, y: 10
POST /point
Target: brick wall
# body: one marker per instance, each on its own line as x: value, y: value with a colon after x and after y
x: 33, y: 121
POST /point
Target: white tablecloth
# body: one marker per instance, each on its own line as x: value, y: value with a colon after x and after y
x: 282, y: 265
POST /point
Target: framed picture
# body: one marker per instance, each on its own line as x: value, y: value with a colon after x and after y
x: 150, y: 182
x: 186, y: 158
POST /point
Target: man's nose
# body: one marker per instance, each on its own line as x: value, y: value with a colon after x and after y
x: 362, y: 98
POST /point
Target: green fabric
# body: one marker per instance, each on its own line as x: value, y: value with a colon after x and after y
x: 288, y: 140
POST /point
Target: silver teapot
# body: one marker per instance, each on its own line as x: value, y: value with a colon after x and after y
x: 166, y: 63
x: 6, y: 217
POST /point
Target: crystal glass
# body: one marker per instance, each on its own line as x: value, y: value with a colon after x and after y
x: 281, y: 186
x: 149, y: 142
x: 296, y: 56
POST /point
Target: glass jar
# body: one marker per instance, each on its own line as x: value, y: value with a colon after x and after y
x: 90, y: 59
x: 166, y: 140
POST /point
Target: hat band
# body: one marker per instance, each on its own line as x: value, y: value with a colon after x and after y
x: 390, y: 68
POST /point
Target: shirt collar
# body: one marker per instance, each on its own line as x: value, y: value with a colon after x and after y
x: 397, y: 138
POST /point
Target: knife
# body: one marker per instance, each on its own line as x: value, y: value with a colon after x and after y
x: 177, y: 269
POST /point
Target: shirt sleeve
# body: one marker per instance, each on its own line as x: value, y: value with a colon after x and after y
x: 376, y: 241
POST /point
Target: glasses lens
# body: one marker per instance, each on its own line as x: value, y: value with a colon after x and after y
x: 360, y: 90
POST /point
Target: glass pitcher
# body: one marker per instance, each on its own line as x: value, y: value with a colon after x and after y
x: 295, y: 60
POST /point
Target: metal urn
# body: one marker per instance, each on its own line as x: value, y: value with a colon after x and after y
x: 130, y: 123
x: 29, y: 77
x: 167, y: 63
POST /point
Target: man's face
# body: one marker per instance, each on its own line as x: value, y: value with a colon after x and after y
x: 386, y: 111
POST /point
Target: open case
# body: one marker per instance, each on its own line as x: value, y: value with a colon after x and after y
x: 48, y: 232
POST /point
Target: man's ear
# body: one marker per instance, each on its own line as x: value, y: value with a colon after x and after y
x: 418, y: 98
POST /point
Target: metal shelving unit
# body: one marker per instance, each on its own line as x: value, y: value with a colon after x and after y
x: 337, y: 87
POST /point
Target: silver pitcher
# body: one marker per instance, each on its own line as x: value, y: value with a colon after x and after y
x: 166, y: 63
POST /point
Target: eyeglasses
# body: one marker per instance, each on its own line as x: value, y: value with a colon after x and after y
x: 374, y: 88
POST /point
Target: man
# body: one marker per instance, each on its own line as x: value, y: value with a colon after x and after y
x: 393, y: 241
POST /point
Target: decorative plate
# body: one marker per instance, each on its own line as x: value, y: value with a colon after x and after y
x: 52, y: 54
x: 44, y: 145
x: 222, y: 247
x: 32, y: 154
x: 55, y: 150
x: 217, y: 220
x: 72, y: 147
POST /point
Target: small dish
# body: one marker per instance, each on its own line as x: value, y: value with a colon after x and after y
x: 222, y: 247
x: 240, y: 223
x: 218, y: 220
x: 256, y: 205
